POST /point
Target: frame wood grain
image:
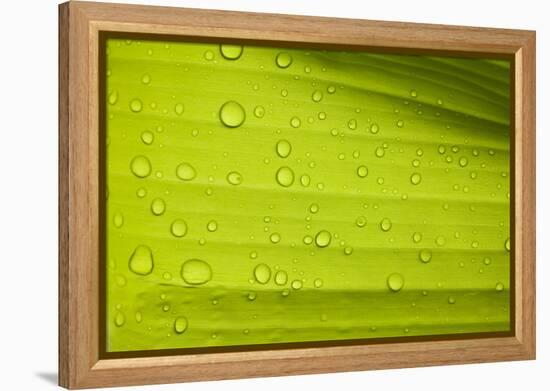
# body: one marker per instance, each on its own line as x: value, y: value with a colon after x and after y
x: 80, y: 23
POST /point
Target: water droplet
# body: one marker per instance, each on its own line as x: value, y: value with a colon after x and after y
x: 416, y: 178
x: 362, y: 171
x: 499, y: 287
x: 395, y: 282
x: 417, y: 237
x: 141, y: 192
x: 323, y: 238
x: 285, y: 176
x: 231, y: 52
x: 232, y: 114
x: 317, y: 96
x: 441, y: 149
x: 251, y: 296
x: 196, y: 272
x: 283, y: 60
x: 180, y: 324
x: 141, y: 261
x: 146, y: 79
x: 118, y: 219
x: 296, y: 284
x: 374, y: 128
x: 209, y: 55
x: 147, y: 137
x: 295, y: 122
x: 178, y: 228
x: 507, y: 244
x: 451, y: 300
x: 361, y: 221
x: 331, y: 89
x: 120, y: 319
x: 212, y: 226
x: 348, y: 250
x: 275, y: 238
x: 352, y: 124
x: 281, y: 277
x: 425, y: 255
x: 318, y: 283
x: 262, y: 273
x: 259, y: 111
x: 113, y: 97
x: 234, y: 178
x: 400, y: 123
x: 379, y: 152
x: 314, y: 208
x: 158, y: 206
x: 283, y: 148
x: 414, y: 94
x: 385, y: 224
x: 179, y: 108
x: 308, y: 240
x: 138, y: 316
x: 305, y: 180
x: 440, y: 241
x: 140, y: 166
x: 253, y: 255
x: 136, y: 106
x: 463, y: 161
x: 186, y: 172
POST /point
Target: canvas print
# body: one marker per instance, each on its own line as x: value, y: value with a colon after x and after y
x: 258, y: 195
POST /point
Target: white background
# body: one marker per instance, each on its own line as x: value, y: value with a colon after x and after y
x: 28, y: 194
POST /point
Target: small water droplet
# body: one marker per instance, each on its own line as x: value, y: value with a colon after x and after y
x: 374, y: 128
x: 417, y: 237
x: 352, y: 124
x: 120, y: 319
x: 180, y: 324
x: 451, y: 300
x: 113, y: 97
x: 296, y: 284
x: 259, y: 111
x: 416, y: 178
x: 400, y: 123
x: 295, y: 122
x: 385, y: 224
x: 178, y: 228
x: 308, y: 240
x: 283, y: 148
x: 281, y: 277
x: 440, y: 241
x: 379, y: 152
x: 414, y: 94
x: 212, y: 226
x: 275, y: 238
x: 395, y: 282
x: 314, y: 208
x: 318, y: 283
x: 231, y: 52
x: 362, y: 171
x: 285, y: 176
x: 186, y: 172
x: 323, y: 238
x: 463, y: 161
x: 234, y: 178
x: 331, y: 89
x: 425, y: 255
x: 158, y: 206
x: 196, y: 272
x: 317, y: 96
x: 507, y: 244
x: 262, y: 273
x: 179, y: 108
x: 136, y: 105
x: 499, y: 287
x: 118, y: 220
x: 361, y: 221
x: 305, y: 180
x: 146, y: 79
x: 209, y: 55
x: 232, y: 114
x: 141, y: 261
x: 140, y: 166
x: 251, y: 296
x: 283, y: 60
x: 147, y: 137
x: 348, y: 250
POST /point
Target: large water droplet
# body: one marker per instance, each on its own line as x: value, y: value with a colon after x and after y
x: 178, y: 228
x: 158, y: 206
x: 281, y: 277
x: 395, y: 282
x: 232, y: 114
x: 180, y: 324
x: 323, y: 238
x: 425, y: 255
x: 262, y: 273
x: 141, y: 261
x: 283, y: 148
x: 285, y: 176
x: 283, y: 60
x: 186, y: 172
x: 231, y: 52
x: 385, y: 224
x: 140, y: 166
x: 234, y: 178
x: 196, y: 272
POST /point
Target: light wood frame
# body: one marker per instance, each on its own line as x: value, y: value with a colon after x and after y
x: 80, y: 23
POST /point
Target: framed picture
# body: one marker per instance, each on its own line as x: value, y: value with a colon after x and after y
x: 249, y: 195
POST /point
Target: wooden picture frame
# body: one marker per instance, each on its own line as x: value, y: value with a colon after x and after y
x: 80, y: 24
